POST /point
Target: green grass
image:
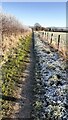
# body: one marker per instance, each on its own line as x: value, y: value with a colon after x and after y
x: 12, y: 71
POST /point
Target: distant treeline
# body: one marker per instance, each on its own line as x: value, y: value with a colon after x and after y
x: 49, y: 29
x: 38, y: 27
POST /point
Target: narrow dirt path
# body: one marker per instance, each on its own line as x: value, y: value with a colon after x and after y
x: 25, y: 111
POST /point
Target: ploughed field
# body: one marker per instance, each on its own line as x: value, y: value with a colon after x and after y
x: 51, y: 98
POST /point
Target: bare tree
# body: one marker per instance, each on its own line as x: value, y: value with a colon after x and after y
x: 10, y: 30
x: 11, y: 25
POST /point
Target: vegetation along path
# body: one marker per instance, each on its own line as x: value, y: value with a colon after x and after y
x: 23, y: 108
x: 42, y: 86
x: 18, y: 75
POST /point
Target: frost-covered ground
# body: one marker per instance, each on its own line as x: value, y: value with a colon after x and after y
x: 52, y: 87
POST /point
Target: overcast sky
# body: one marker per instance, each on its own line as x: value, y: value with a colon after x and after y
x: 45, y: 13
